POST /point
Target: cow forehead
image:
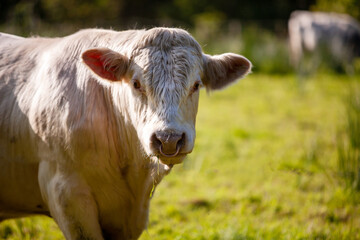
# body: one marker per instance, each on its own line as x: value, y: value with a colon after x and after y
x: 166, y: 38
x: 169, y: 71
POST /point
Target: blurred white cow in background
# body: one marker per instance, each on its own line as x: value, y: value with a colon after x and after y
x: 326, y: 37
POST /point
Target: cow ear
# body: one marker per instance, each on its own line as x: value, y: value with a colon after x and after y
x: 106, y: 63
x: 221, y: 70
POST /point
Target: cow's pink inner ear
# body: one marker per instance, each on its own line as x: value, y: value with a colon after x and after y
x: 106, y: 63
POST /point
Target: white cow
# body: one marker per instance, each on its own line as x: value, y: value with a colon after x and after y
x: 332, y: 37
x: 90, y: 123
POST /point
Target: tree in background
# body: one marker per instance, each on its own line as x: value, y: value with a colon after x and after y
x: 125, y: 13
x: 79, y: 10
x: 351, y: 7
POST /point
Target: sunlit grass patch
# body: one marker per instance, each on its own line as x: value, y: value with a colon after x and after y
x: 349, y: 143
x: 32, y: 228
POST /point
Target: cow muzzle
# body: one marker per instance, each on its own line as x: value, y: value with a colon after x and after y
x: 168, y: 144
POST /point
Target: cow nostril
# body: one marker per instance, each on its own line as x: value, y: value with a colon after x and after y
x: 155, y: 141
x: 168, y: 144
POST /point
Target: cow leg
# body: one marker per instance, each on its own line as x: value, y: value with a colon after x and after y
x: 70, y: 203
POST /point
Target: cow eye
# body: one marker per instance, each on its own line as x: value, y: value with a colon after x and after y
x: 196, y: 87
x: 136, y: 84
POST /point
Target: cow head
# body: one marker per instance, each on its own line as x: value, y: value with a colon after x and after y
x: 160, y: 81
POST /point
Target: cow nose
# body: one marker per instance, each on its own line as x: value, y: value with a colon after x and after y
x: 168, y: 143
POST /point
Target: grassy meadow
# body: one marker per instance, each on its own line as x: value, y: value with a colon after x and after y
x: 265, y: 166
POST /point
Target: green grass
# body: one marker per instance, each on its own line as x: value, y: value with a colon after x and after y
x: 349, y: 142
x: 264, y: 167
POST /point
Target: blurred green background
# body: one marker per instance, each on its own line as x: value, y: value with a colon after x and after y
x: 257, y: 28
x: 277, y: 156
